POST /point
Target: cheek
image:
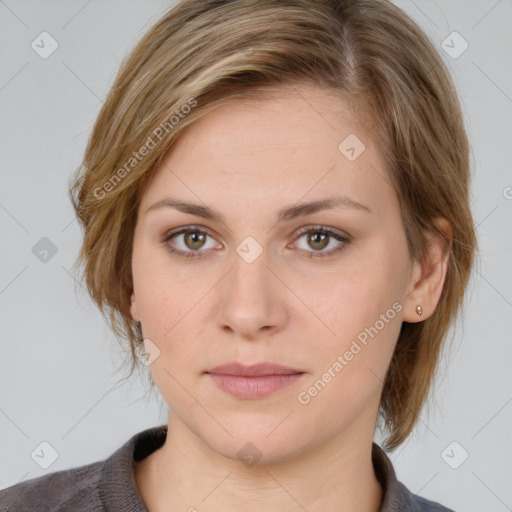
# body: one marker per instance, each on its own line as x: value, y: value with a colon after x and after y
x: 154, y: 288
x: 353, y: 302
x: 363, y: 313
x: 170, y: 304
x: 350, y: 365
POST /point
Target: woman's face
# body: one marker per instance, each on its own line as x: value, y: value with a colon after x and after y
x: 258, y: 286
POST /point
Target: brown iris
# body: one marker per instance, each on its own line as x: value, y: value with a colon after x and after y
x: 313, y: 237
x: 196, y: 239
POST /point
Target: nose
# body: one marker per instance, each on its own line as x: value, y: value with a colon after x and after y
x: 251, y: 299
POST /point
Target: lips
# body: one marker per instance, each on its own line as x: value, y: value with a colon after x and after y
x: 254, y: 381
x: 255, y: 370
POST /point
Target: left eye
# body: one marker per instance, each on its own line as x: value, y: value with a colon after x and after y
x: 318, y: 238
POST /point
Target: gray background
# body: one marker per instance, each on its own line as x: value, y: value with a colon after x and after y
x: 57, y: 380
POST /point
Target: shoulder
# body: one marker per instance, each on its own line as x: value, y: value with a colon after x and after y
x: 71, y: 489
x: 102, y: 485
x: 405, y: 500
x: 425, y: 505
x: 396, y: 496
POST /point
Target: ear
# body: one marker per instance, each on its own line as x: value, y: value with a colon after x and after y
x: 428, y: 276
x: 134, y: 310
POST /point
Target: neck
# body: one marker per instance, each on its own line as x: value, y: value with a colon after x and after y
x: 186, y: 474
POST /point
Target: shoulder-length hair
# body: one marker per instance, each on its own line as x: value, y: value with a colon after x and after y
x: 203, y: 53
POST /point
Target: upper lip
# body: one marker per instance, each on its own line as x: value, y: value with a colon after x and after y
x: 235, y: 368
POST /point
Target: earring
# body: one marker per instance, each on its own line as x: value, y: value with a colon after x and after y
x: 419, y: 310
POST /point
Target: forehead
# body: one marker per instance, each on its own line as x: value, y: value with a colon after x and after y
x: 287, y: 117
x: 294, y: 143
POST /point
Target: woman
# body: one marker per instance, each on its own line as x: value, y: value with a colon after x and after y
x: 276, y: 217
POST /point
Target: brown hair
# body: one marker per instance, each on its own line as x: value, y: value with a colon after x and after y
x: 203, y: 53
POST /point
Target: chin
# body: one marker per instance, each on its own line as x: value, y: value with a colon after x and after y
x: 258, y: 443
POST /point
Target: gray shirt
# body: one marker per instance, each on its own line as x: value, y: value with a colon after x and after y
x: 109, y: 485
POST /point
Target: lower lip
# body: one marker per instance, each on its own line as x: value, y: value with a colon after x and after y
x: 253, y: 387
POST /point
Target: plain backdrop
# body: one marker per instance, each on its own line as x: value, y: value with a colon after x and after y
x: 57, y: 367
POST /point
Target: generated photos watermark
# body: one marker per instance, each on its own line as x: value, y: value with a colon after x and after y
x: 342, y: 360
x: 144, y: 150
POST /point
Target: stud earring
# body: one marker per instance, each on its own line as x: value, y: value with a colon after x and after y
x: 419, y: 310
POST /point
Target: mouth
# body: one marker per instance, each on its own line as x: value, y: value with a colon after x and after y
x: 255, y: 381
x: 255, y: 370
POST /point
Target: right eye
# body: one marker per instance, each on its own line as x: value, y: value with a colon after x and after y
x: 192, y: 240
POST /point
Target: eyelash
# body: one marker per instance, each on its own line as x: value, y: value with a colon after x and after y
x: 309, y: 229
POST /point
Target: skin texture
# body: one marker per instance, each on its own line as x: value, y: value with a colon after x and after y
x: 248, y: 160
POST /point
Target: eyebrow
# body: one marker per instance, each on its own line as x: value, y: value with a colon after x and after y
x: 288, y: 213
